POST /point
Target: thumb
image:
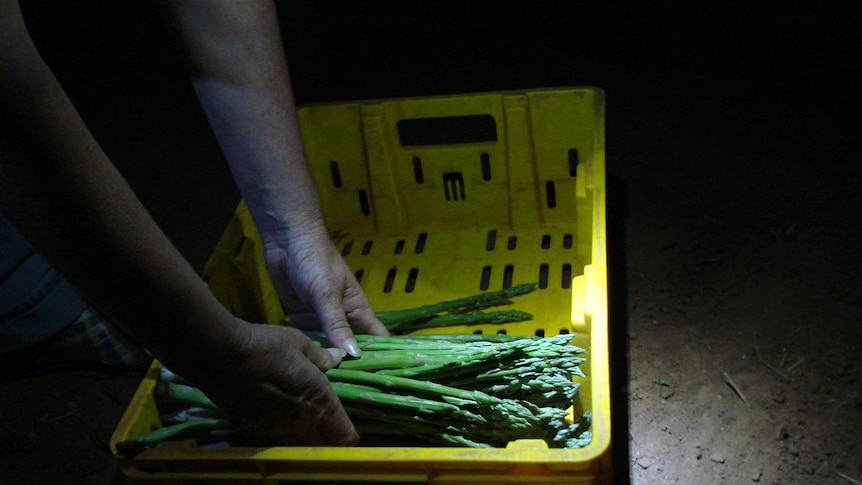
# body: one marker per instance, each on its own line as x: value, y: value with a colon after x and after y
x: 334, y: 322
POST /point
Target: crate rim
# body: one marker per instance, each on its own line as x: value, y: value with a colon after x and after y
x: 600, y: 95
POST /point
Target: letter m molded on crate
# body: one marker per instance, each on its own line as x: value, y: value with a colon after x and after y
x: 430, y: 199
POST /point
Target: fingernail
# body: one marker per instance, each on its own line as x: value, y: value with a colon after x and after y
x: 337, y: 353
x: 351, y: 347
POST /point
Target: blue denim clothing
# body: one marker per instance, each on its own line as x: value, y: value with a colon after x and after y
x: 36, y: 302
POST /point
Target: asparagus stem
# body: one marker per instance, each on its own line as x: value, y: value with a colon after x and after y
x: 379, y: 360
x: 470, y: 318
x: 133, y: 446
x: 183, y: 395
x: 364, y: 394
x: 475, y: 302
x: 405, y: 384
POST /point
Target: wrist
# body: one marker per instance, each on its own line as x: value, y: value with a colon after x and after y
x: 205, y: 356
x: 284, y: 233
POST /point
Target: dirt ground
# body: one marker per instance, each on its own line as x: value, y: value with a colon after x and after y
x: 736, y: 262
x: 744, y: 347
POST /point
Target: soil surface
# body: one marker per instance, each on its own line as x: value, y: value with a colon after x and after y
x: 744, y: 346
x: 734, y: 202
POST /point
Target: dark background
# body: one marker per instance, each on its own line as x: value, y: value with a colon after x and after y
x: 745, y: 109
x: 734, y: 98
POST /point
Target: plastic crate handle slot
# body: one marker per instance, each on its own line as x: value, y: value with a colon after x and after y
x: 447, y: 130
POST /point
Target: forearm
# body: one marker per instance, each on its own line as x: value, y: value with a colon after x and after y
x: 240, y: 75
x: 64, y: 195
x: 61, y: 191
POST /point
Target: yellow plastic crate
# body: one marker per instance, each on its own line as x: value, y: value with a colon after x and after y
x: 431, y: 199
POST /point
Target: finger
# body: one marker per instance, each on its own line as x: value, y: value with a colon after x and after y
x: 339, y: 354
x: 329, y: 422
x: 334, y: 322
x: 333, y: 424
x: 335, y: 427
x: 358, y: 310
x: 363, y: 320
x: 320, y: 419
x: 324, y: 359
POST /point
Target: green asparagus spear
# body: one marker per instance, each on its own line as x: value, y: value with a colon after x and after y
x: 368, y: 395
x: 470, y: 303
x: 183, y: 395
x: 405, y: 384
x: 188, y: 430
x: 451, y: 319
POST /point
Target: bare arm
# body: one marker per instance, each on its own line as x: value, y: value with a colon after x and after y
x: 61, y: 191
x: 240, y: 74
x: 67, y: 198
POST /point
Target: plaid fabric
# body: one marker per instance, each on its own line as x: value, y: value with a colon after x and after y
x: 92, y: 338
x: 91, y: 343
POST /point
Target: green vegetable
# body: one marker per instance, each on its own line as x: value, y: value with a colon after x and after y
x: 405, y: 384
x: 512, y: 388
x: 472, y: 390
x: 187, y: 430
x: 183, y: 395
x: 460, y: 311
x: 428, y: 316
x: 469, y: 318
x: 372, y: 396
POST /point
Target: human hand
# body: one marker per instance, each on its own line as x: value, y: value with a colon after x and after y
x: 318, y: 290
x: 274, y: 388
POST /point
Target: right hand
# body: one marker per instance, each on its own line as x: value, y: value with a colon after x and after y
x: 274, y: 388
x: 317, y: 288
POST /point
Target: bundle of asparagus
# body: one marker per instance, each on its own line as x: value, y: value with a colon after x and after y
x: 467, y: 390
x: 475, y: 390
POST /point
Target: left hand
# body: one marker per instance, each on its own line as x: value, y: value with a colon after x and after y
x: 270, y: 380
